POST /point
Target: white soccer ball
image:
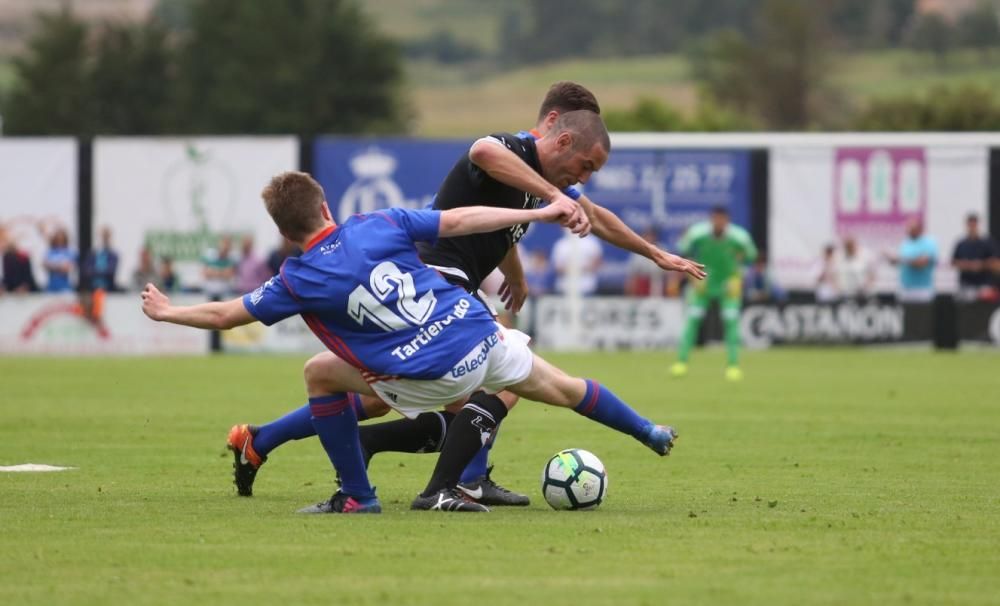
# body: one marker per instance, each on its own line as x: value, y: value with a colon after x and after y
x: 574, y: 479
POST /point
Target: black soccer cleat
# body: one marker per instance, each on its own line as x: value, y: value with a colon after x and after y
x: 486, y: 491
x: 246, y: 461
x: 342, y: 503
x: 447, y: 499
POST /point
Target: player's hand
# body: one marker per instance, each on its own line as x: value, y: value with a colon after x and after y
x: 559, y: 209
x: 513, y: 295
x: 154, y: 302
x: 568, y: 213
x: 669, y: 262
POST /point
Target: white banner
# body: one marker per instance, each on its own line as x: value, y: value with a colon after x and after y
x: 38, y: 178
x: 607, y: 323
x: 823, y: 193
x: 178, y: 196
x: 62, y: 325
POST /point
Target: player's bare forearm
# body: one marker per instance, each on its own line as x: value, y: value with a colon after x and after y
x: 483, y: 219
x: 504, y: 166
x: 510, y: 266
x: 218, y: 315
x: 213, y: 315
x: 480, y: 219
x: 514, y: 289
x: 610, y: 228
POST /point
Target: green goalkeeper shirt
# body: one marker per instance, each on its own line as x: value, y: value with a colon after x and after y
x: 723, y: 257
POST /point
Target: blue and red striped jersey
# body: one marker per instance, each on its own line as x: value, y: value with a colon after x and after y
x: 362, y: 289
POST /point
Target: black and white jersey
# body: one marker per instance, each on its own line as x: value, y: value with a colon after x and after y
x: 477, y: 255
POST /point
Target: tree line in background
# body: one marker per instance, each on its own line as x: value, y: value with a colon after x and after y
x: 210, y: 66
x: 320, y: 66
x: 544, y: 30
x: 774, y: 71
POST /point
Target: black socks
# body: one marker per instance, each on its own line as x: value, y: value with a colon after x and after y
x: 426, y: 433
x: 472, y: 428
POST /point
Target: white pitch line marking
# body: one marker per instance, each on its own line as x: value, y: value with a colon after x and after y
x: 32, y: 467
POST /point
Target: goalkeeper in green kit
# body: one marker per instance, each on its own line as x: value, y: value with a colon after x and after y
x: 724, y: 249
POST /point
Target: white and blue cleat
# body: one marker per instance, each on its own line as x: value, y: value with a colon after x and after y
x: 660, y: 439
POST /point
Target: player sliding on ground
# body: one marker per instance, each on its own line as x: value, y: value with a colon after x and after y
x: 500, y: 170
x: 398, y: 330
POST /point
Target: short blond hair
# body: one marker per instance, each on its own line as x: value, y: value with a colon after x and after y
x: 295, y: 200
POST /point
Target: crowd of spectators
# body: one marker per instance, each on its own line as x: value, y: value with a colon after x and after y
x: 850, y: 273
x: 63, y: 270
x: 844, y: 271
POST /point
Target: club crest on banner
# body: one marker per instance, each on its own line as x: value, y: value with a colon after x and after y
x: 374, y: 186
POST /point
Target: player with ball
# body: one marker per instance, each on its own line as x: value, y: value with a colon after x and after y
x: 395, y: 328
x: 503, y: 170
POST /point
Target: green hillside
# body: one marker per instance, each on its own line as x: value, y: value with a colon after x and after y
x: 462, y: 102
x: 457, y: 102
x: 470, y: 21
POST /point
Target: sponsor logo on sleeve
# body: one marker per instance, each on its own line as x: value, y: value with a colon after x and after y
x: 258, y: 294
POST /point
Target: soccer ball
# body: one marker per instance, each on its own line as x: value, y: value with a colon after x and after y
x: 574, y: 479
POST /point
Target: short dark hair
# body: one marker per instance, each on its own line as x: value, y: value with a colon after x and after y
x: 586, y: 127
x: 568, y: 96
x: 972, y: 217
x: 719, y: 209
x: 294, y: 201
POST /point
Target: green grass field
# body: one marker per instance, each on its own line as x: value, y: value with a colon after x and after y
x: 826, y: 477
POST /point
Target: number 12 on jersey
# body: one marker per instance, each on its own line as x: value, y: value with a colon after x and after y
x: 385, y: 280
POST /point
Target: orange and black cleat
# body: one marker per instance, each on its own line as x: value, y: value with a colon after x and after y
x: 246, y: 461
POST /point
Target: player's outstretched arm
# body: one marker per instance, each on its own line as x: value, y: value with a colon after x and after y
x: 610, y: 228
x: 482, y: 219
x: 218, y: 315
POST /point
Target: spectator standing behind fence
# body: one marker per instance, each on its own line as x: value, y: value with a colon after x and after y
x: 973, y: 257
x: 537, y: 273
x: 168, y: 279
x: 644, y: 277
x: 855, y: 271
x: 219, y: 269
x: 101, y: 265
x: 146, y: 272
x: 278, y: 255
x: 17, y: 274
x: 827, y: 288
x: 585, y: 254
x: 59, y: 262
x: 759, y: 285
x: 251, y: 271
x: 916, y: 258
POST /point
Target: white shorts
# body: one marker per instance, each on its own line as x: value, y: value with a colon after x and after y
x: 501, y: 360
